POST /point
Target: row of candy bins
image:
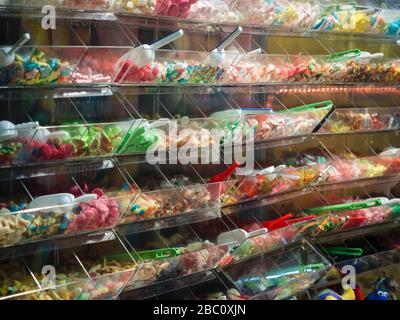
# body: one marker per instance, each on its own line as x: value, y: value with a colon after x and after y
x: 347, y: 66
x: 79, y: 65
x: 51, y: 203
x: 279, y: 274
x: 175, y: 254
x: 53, y: 127
x: 83, y: 273
x: 265, y: 182
x: 288, y: 218
x: 304, y: 15
x: 62, y: 4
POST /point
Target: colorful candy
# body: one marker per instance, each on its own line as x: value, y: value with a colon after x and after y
x: 25, y: 226
x: 36, y: 69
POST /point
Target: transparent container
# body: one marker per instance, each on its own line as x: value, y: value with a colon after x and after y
x: 76, y: 206
x: 176, y: 67
x: 169, y: 198
x: 362, y: 120
x: 65, y: 275
x: 293, y: 122
x: 278, y: 275
x: 174, y: 255
x: 278, y: 13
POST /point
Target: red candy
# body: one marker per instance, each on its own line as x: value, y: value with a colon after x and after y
x: 132, y: 73
x: 174, y: 8
x: 96, y: 214
x: 48, y: 151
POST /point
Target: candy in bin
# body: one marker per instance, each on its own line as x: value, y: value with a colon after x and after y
x: 137, y: 66
x: 137, y: 6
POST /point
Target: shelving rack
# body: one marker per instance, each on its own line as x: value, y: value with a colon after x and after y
x: 105, y: 108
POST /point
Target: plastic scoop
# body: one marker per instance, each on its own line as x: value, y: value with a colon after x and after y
x: 7, y: 54
x: 295, y: 270
x: 343, y: 251
x: 59, y: 199
x: 40, y: 134
x: 238, y: 113
x: 144, y: 54
x: 312, y: 106
x: 344, y: 55
x: 157, y: 254
x: 238, y: 236
x: 215, y: 188
x: 223, y: 176
x: 9, y: 130
x: 217, y: 56
x: 136, y: 135
x: 254, y: 52
x: 284, y: 221
x: 349, y: 206
x: 390, y: 151
x: 367, y: 56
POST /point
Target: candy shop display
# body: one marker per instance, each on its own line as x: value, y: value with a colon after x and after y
x: 358, y: 119
x: 141, y: 163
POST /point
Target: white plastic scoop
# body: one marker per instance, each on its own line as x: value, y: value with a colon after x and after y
x: 9, y: 130
x: 217, y: 56
x: 252, y: 173
x: 144, y: 54
x: 390, y: 152
x: 59, y: 199
x: 7, y: 54
x: 40, y: 134
x: 367, y: 56
x: 238, y: 236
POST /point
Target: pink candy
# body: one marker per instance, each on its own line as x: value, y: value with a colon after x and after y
x: 174, y: 8
x: 96, y: 214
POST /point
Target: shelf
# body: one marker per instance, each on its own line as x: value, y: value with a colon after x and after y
x: 116, y: 65
x: 306, y: 19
